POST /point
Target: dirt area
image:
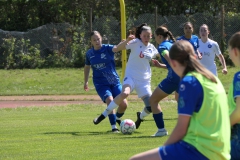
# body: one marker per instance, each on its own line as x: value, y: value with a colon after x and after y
x: 55, y: 100
x: 50, y: 100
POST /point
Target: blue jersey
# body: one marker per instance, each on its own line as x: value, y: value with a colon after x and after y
x: 193, y: 41
x: 103, y: 65
x: 166, y: 45
x: 190, y: 96
x: 236, y: 85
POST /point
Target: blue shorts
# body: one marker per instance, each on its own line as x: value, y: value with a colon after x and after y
x: 168, y: 86
x: 105, y: 91
x: 235, y: 142
x: 170, y: 83
x: 180, y: 150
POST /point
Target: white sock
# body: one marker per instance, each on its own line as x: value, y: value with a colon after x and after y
x: 143, y: 114
x: 161, y: 130
x: 118, y: 118
x: 110, y: 108
x: 114, y: 126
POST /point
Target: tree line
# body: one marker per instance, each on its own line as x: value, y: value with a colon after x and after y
x: 22, y: 15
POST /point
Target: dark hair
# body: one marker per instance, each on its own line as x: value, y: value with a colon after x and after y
x: 140, y: 28
x: 209, y: 35
x: 183, y: 52
x: 204, y: 25
x: 94, y: 33
x: 234, y: 41
x: 187, y: 23
x: 161, y: 30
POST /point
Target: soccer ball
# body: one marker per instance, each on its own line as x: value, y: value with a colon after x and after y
x: 127, y: 126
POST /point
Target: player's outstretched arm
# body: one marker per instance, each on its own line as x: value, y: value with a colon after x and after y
x: 122, y: 45
x: 86, y: 75
x: 223, y: 62
x: 156, y: 63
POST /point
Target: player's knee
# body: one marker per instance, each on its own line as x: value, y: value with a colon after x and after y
x: 124, y: 104
x: 124, y: 95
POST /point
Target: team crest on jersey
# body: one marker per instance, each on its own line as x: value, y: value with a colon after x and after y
x: 238, y: 76
x: 237, y: 86
x: 195, y: 44
x: 140, y: 46
x: 103, y: 56
x: 182, y: 87
x: 209, y: 46
x: 150, y: 50
x: 141, y: 55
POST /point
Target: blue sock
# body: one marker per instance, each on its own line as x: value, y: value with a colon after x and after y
x: 119, y: 115
x: 159, y: 120
x: 112, y: 119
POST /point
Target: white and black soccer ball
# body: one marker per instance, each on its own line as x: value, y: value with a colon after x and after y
x: 127, y: 126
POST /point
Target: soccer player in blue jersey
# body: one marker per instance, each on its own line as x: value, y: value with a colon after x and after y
x: 105, y: 78
x: 193, y: 39
x: 168, y: 85
x: 234, y: 96
x: 138, y: 70
x: 202, y: 130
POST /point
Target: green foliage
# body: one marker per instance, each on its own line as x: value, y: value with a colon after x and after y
x: 23, y: 15
x: 19, y: 54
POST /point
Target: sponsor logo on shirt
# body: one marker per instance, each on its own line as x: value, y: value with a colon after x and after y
x: 209, y: 46
x: 99, y: 66
x: 206, y: 53
x: 103, y: 56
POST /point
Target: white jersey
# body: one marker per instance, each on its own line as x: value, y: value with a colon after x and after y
x: 138, y: 66
x: 209, y: 50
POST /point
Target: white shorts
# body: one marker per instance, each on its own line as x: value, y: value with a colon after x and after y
x: 142, y: 88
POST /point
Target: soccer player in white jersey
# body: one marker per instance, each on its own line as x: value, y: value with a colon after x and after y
x: 209, y: 49
x: 138, y: 71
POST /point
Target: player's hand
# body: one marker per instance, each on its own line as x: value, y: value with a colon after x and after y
x: 130, y: 37
x: 199, y: 56
x: 156, y: 63
x: 224, y: 71
x: 86, y: 86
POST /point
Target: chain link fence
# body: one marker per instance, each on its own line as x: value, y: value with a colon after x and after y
x: 65, y: 45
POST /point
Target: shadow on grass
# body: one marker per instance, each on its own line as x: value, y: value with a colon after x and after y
x: 133, y: 136
x: 78, y: 133
x: 170, y: 119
